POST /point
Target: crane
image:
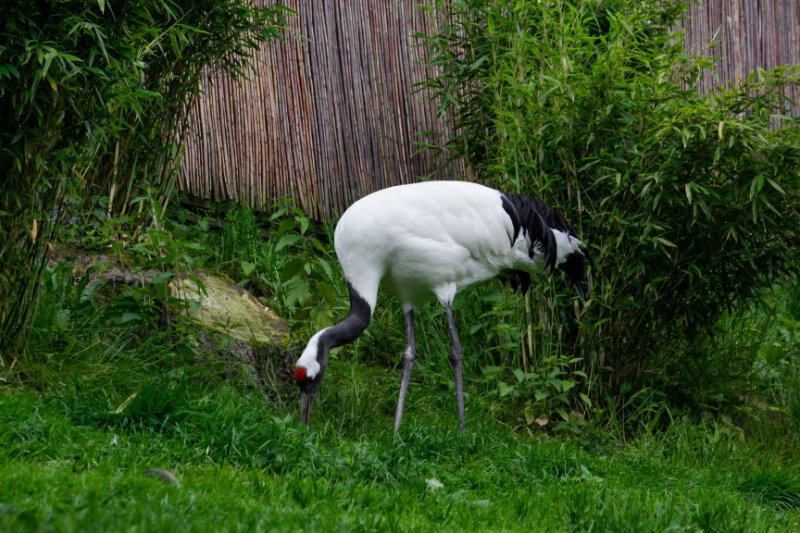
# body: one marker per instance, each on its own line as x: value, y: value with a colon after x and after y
x: 429, y: 241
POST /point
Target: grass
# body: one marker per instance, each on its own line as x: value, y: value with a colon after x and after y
x: 102, y: 399
x: 74, y: 460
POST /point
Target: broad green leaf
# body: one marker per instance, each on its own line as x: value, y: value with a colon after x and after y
x: 287, y: 240
x: 586, y: 400
x: 292, y: 269
x: 304, y: 223
x: 298, y: 292
x: 326, y: 291
x: 504, y: 388
x: 247, y: 267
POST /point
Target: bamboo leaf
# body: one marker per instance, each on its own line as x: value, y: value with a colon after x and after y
x: 776, y: 186
x: 665, y: 242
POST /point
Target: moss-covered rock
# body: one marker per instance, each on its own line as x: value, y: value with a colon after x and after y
x: 231, y: 310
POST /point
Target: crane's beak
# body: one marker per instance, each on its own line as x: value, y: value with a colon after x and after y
x: 306, y: 401
x: 582, y: 289
x: 575, y: 269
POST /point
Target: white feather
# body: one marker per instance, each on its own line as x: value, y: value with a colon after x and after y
x: 565, y: 245
x: 428, y: 240
x: 308, y: 359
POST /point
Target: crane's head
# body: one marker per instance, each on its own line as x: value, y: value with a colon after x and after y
x: 571, y: 259
x: 575, y: 268
x: 308, y: 373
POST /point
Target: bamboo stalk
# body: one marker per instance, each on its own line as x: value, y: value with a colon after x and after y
x: 525, y: 365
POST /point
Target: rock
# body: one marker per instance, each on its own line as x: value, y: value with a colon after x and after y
x: 230, y: 310
x: 239, y: 338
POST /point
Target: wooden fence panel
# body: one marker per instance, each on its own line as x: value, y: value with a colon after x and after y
x: 331, y: 114
x: 750, y: 34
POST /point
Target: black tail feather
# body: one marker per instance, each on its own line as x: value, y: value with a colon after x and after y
x: 536, y: 219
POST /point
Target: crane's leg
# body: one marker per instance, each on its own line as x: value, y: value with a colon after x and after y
x: 456, y: 356
x: 408, y: 363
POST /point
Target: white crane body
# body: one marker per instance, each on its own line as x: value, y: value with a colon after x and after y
x: 428, y: 241
x: 419, y: 246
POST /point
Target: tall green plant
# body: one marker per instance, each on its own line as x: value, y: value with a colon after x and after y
x: 92, y: 101
x: 687, y: 201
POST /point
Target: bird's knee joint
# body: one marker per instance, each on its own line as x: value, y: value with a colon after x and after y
x: 408, y: 355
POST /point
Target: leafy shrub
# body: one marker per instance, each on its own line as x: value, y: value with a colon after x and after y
x: 282, y: 256
x: 286, y: 258
x: 686, y: 201
x: 95, y: 96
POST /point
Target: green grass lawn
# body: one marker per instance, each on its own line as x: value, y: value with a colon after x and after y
x: 73, y: 461
x: 96, y: 405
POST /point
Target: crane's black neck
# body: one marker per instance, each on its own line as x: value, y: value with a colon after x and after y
x: 351, y: 327
x: 344, y: 332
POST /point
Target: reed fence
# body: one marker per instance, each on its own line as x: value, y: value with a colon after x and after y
x: 331, y: 114
x: 749, y: 34
x: 328, y: 115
